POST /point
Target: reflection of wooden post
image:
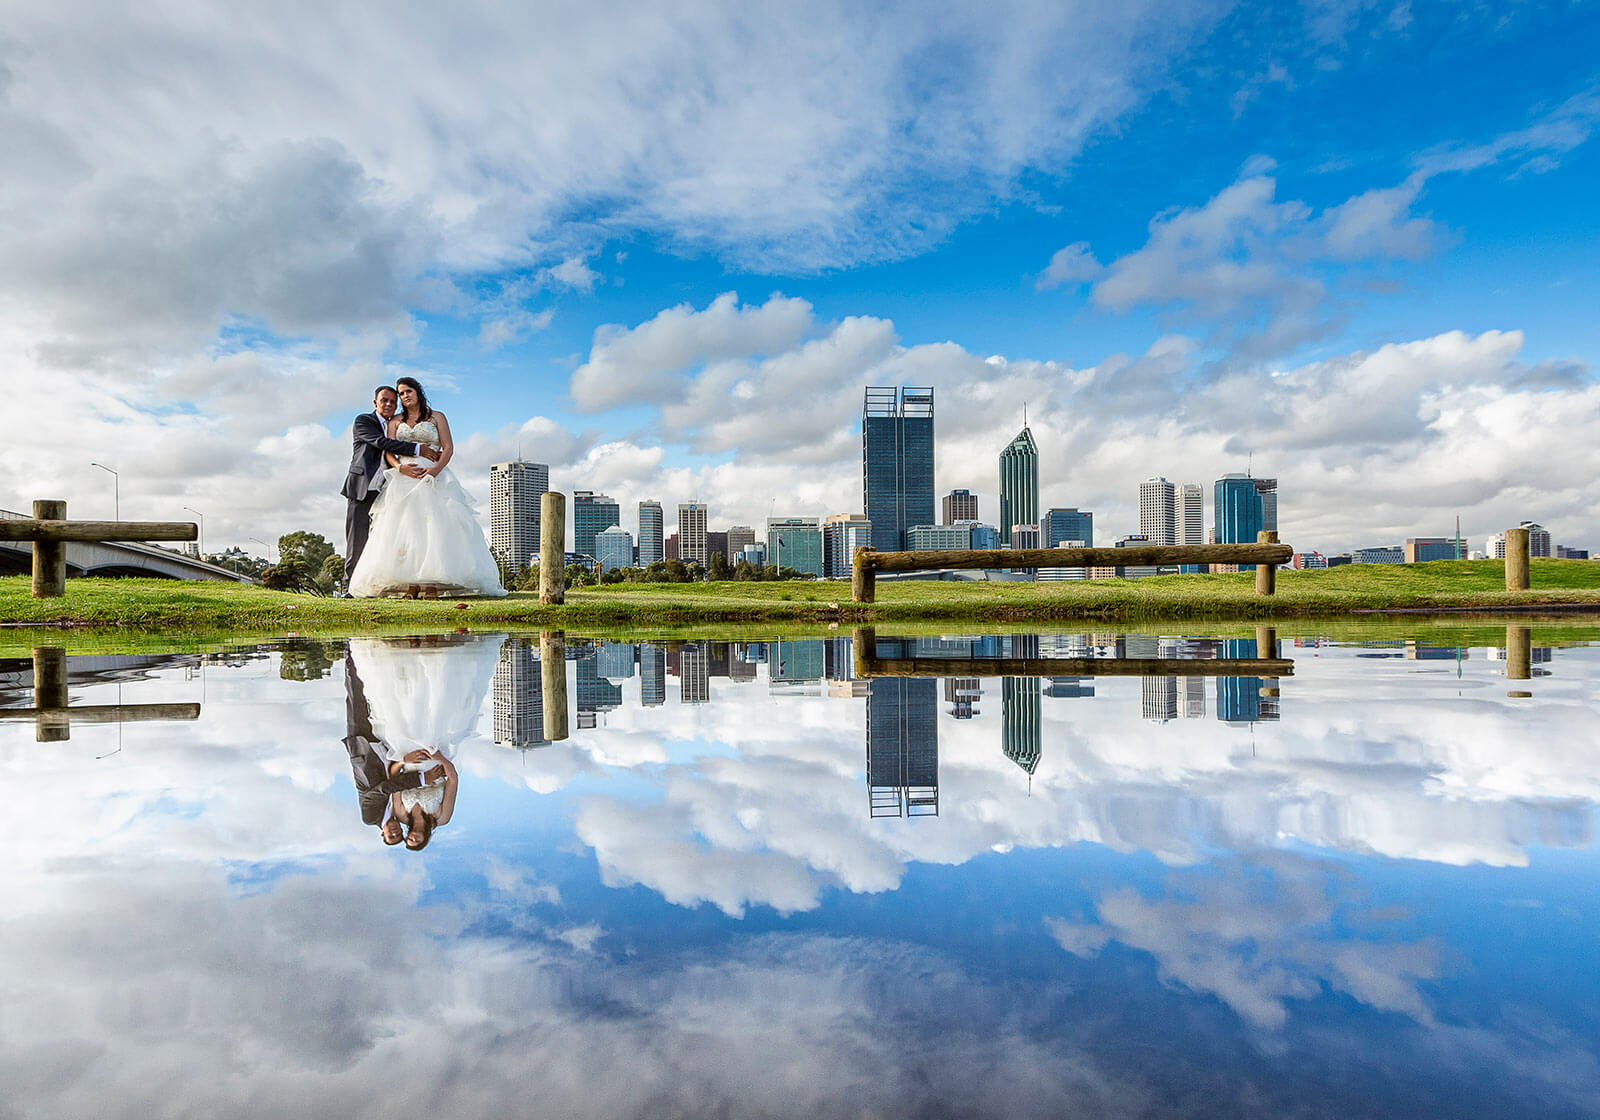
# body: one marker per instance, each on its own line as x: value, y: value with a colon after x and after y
x: 1519, y: 648
x: 1517, y: 560
x: 49, y: 557
x: 1266, y: 574
x: 553, y: 680
x: 864, y: 648
x: 1267, y: 647
x: 50, y: 684
x: 863, y: 578
x: 553, y: 559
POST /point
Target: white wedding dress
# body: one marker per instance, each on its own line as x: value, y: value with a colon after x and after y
x: 424, y: 534
x: 425, y: 697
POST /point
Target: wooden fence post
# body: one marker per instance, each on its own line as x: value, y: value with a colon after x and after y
x: 1517, y: 560
x: 49, y: 557
x: 1519, y: 652
x: 1267, y: 574
x: 50, y: 688
x: 863, y: 578
x: 864, y: 647
x: 553, y: 553
x: 553, y: 680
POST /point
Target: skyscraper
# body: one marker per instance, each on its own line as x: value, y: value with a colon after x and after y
x: 1020, y: 721
x: 842, y: 534
x: 738, y: 537
x: 1158, y: 514
x: 518, y: 701
x: 1070, y: 524
x: 1236, y: 509
x: 960, y: 505
x: 1019, y: 483
x: 896, y: 462
x: 651, y: 524
x: 652, y: 675
x: 692, y: 532
x: 903, y: 747
x: 515, y: 490
x: 591, y: 513
x: 613, y: 548
x: 1191, y: 514
x: 795, y: 542
x: 1267, y: 491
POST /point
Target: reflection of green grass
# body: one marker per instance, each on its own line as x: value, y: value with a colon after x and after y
x: 1443, y: 585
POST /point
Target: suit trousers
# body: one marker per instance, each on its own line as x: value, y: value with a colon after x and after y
x: 357, y: 523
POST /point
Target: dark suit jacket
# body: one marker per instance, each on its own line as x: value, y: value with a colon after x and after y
x: 366, y: 455
x: 367, y: 763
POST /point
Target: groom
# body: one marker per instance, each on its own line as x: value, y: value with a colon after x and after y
x: 366, y: 470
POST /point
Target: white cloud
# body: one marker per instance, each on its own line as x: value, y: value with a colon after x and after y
x: 1072, y: 265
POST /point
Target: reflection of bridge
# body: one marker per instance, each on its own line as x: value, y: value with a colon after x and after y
x: 114, y: 558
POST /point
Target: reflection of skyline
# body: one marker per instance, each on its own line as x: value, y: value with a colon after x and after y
x: 902, y: 743
x: 1020, y: 719
x: 518, y: 701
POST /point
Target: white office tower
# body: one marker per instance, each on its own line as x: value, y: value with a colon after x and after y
x: 692, y: 532
x: 515, y: 491
x: 1158, y: 511
x: 1192, y: 514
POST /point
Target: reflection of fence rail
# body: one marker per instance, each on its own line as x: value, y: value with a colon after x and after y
x: 868, y: 664
x: 1266, y: 554
x: 53, y: 719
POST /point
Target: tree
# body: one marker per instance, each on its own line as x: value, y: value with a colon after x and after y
x: 676, y: 572
x: 718, y: 569
x: 333, y: 568
x: 290, y: 574
x: 303, y: 545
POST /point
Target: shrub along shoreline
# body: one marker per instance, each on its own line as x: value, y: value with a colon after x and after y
x: 1559, y: 587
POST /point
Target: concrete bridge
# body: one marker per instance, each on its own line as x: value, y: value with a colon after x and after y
x: 114, y: 558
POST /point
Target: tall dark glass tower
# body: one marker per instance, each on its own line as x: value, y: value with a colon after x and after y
x: 1020, y: 720
x: 1019, y: 483
x: 902, y: 743
x: 897, y: 462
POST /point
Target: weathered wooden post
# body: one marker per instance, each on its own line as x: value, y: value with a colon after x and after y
x: 863, y: 577
x: 553, y: 677
x: 553, y: 562
x: 1267, y: 574
x: 49, y: 557
x: 864, y: 648
x: 1267, y: 647
x: 1519, y: 649
x: 50, y: 683
x: 1516, y: 559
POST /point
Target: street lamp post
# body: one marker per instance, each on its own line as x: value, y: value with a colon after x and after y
x: 116, y: 491
x: 270, y: 548
x: 202, y: 518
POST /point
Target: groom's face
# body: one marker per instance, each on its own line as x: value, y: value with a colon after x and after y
x: 385, y: 402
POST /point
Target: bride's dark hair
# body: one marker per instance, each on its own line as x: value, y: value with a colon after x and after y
x: 423, y: 411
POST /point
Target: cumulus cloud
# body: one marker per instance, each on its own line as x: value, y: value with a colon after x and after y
x: 1072, y: 265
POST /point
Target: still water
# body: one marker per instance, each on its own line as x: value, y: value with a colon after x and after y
x: 749, y: 882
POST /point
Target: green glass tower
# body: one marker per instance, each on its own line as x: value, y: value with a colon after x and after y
x: 1019, y: 483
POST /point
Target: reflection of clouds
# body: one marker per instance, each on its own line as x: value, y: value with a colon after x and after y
x: 1423, y: 768
x: 1260, y: 933
x: 338, y: 996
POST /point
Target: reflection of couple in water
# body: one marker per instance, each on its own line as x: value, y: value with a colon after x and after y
x: 425, y: 694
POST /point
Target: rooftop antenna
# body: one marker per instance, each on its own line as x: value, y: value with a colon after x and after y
x: 1249, y: 463
x: 1024, y: 414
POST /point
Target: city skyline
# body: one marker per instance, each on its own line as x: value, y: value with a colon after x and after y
x: 211, y: 263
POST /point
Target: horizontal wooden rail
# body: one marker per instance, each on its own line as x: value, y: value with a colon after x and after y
x: 35, y: 529
x: 870, y: 667
x: 1266, y: 553
x: 107, y: 713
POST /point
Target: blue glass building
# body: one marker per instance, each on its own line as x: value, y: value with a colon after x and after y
x: 1068, y: 525
x: 897, y: 462
x: 1019, y: 483
x: 592, y: 514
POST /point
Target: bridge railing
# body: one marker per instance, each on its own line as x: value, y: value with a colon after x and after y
x: 1266, y: 554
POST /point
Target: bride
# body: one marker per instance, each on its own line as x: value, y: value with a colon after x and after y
x: 425, y: 538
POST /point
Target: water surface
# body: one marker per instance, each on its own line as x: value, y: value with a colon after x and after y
x: 748, y: 882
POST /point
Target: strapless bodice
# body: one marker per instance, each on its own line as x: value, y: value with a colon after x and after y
x: 425, y: 432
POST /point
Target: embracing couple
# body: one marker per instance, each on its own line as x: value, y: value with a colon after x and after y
x: 409, y: 526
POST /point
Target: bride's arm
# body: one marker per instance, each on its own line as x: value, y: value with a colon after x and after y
x: 446, y: 447
x: 451, y: 783
x: 389, y: 456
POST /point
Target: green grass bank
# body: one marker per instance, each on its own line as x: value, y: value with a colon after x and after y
x: 1559, y: 586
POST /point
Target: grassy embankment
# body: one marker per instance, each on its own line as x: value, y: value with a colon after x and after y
x: 1448, y: 585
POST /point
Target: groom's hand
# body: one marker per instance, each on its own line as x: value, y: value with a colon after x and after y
x: 429, y: 452
x: 411, y: 470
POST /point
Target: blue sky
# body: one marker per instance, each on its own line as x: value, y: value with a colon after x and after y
x: 1351, y: 240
